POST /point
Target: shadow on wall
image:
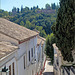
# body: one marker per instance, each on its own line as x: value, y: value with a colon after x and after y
x: 49, y: 63
x: 48, y: 73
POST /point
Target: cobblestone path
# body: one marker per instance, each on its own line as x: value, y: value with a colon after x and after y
x: 48, y: 69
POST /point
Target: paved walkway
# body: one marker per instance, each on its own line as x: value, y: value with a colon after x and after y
x: 48, y: 69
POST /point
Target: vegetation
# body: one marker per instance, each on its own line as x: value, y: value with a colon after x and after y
x: 64, y: 29
x: 30, y: 18
x: 36, y: 18
x: 49, y: 48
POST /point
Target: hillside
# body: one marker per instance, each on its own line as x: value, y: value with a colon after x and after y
x: 34, y: 18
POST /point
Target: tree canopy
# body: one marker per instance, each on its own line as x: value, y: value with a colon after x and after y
x: 64, y: 29
x: 32, y: 18
x: 49, y: 48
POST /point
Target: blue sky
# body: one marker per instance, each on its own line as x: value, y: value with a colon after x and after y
x: 8, y: 4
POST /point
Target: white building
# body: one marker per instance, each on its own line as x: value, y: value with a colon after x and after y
x: 18, y: 49
x: 62, y: 67
x: 41, y: 57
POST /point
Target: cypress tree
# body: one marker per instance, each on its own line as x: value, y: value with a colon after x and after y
x: 49, y: 48
x: 64, y: 28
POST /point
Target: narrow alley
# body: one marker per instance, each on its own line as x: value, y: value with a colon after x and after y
x: 48, y: 69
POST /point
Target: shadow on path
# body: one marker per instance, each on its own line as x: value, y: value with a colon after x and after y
x: 49, y: 63
x: 48, y: 73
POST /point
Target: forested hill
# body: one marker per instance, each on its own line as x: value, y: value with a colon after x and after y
x: 33, y: 18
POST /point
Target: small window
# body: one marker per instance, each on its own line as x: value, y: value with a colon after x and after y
x: 32, y: 52
x: 24, y: 61
x: 10, y: 70
x: 29, y: 55
x: 13, y: 68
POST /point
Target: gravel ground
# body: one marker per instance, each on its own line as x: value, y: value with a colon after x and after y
x: 48, y: 69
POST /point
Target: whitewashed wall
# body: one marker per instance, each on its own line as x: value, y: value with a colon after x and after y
x: 8, y: 60
x: 24, y: 50
x: 18, y: 58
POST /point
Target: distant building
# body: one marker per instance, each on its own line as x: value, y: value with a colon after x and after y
x: 45, y: 11
x: 62, y: 67
x: 19, y: 49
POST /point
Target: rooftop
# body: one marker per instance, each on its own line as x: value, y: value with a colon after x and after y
x: 15, y: 31
x: 6, y: 48
x: 40, y: 40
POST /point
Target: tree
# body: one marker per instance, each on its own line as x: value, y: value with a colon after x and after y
x: 53, y: 6
x: 64, y: 28
x: 31, y: 8
x: 26, y: 8
x: 21, y: 8
x: 37, y: 6
x: 14, y: 11
x: 47, y: 6
x: 49, y: 48
x: 28, y: 24
x: 18, y: 10
x: 42, y: 20
x: 43, y: 33
x: 22, y: 23
x: 10, y: 13
x: 5, y: 13
x: 57, y: 7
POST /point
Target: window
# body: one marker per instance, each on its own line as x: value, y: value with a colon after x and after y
x: 24, y: 61
x: 32, y: 52
x: 10, y: 70
x: 57, y: 62
x: 29, y: 55
x: 13, y: 68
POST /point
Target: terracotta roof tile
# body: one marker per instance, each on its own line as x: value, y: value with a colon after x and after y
x: 6, y: 48
x: 40, y: 40
x: 15, y: 31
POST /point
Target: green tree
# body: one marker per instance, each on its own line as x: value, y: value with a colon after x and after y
x: 21, y: 8
x: 22, y: 23
x: 18, y: 10
x: 10, y: 13
x: 28, y: 24
x: 53, y: 6
x: 35, y: 19
x: 26, y: 8
x: 37, y: 6
x: 14, y: 11
x: 64, y: 29
x: 43, y: 33
x: 49, y: 48
x: 3, y: 13
x: 47, y: 6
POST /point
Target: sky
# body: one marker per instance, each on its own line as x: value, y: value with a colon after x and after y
x: 9, y: 4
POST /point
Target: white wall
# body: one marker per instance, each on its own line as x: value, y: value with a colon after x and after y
x: 61, y: 62
x: 7, y: 61
x: 40, y: 53
x: 18, y: 58
x: 24, y: 50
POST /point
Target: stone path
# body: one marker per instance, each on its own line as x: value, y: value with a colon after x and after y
x: 48, y: 69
